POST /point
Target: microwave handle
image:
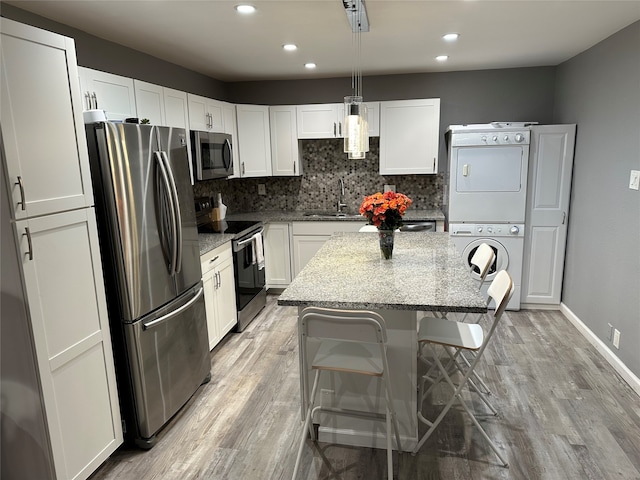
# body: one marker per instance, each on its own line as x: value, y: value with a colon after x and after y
x: 227, y: 156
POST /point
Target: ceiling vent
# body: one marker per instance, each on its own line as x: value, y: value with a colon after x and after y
x: 356, y: 15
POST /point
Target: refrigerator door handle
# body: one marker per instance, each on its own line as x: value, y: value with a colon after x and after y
x: 177, y: 213
x: 177, y: 311
x: 172, y: 214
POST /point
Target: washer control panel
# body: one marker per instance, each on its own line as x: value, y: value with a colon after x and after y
x: 487, y: 229
x: 472, y: 139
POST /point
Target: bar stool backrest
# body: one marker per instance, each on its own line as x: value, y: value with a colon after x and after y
x: 346, y: 325
x: 482, y: 259
x: 501, y: 290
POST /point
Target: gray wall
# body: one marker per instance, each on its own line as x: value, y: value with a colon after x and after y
x: 600, y: 91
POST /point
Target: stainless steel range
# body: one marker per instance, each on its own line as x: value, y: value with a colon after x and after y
x: 248, y: 260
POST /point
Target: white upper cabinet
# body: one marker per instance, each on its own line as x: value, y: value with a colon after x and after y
x: 231, y: 128
x: 176, y: 109
x: 327, y: 120
x: 150, y: 102
x: 409, y: 134
x: 319, y: 121
x: 254, y: 141
x: 205, y: 114
x: 285, y: 154
x: 48, y: 172
x: 112, y: 93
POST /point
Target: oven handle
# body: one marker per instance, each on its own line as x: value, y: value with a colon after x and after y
x: 244, y: 242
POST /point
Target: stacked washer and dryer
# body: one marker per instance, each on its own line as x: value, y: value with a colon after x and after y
x: 488, y: 193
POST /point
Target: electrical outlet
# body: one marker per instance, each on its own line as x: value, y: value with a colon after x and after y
x: 610, y: 335
x: 634, y: 180
x: 262, y: 189
x: 389, y: 188
x: 616, y: 338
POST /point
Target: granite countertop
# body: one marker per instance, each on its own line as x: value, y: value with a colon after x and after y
x: 426, y: 272
x: 209, y: 241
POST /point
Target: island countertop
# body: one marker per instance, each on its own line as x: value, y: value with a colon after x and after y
x: 425, y: 273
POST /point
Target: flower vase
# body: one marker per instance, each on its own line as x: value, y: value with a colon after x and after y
x: 386, y: 243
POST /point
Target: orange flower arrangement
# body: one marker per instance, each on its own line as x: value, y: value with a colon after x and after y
x: 385, y: 210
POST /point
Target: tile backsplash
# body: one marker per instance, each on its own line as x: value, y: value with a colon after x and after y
x: 323, y: 164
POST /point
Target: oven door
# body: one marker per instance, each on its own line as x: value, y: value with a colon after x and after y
x: 250, y: 279
x: 488, y: 183
x: 212, y: 154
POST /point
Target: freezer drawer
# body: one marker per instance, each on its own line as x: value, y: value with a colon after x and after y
x: 169, y: 359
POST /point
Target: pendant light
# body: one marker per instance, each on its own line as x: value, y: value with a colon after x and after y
x: 356, y: 138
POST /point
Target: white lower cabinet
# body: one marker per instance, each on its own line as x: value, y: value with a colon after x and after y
x: 219, y: 292
x: 277, y: 254
x: 309, y: 237
x: 65, y: 295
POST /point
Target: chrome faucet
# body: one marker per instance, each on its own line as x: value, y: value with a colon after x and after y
x: 341, y: 203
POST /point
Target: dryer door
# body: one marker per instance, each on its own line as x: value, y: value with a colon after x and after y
x: 500, y: 263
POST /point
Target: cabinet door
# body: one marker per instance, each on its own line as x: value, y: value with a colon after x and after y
x: 304, y: 248
x: 209, y: 284
x: 319, y: 121
x: 41, y: 111
x: 227, y: 314
x: 285, y: 155
x: 254, y: 143
x: 373, y: 117
x: 65, y: 293
x: 409, y: 133
x: 216, y: 115
x: 150, y: 102
x: 277, y: 254
x: 198, y: 113
x: 111, y: 93
x: 176, y: 109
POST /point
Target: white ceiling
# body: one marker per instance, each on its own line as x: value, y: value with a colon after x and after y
x: 210, y: 37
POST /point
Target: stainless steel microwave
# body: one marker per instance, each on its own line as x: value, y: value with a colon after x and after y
x: 212, y: 154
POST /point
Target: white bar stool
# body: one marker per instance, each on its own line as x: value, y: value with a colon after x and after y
x: 352, y: 341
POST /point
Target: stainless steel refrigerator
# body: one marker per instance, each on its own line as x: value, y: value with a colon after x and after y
x: 151, y: 256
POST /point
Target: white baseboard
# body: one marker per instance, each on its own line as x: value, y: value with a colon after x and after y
x: 627, y: 375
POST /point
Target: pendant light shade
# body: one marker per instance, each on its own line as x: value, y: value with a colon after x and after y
x: 356, y: 137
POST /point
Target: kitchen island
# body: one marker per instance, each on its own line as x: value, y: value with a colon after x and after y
x: 425, y: 273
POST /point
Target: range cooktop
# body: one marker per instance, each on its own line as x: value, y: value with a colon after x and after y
x: 232, y: 227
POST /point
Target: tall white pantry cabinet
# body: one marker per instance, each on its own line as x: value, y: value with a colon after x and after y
x: 51, y: 216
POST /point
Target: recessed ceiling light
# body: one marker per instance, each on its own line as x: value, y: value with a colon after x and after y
x: 450, y: 37
x: 310, y: 65
x: 245, y: 9
x: 290, y: 47
x: 442, y: 58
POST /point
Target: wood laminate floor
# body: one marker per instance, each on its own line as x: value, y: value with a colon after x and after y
x: 564, y: 414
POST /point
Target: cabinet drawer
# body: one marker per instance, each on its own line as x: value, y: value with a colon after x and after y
x: 215, y: 256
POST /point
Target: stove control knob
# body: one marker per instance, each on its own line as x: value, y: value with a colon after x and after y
x: 514, y: 230
x: 519, y: 138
